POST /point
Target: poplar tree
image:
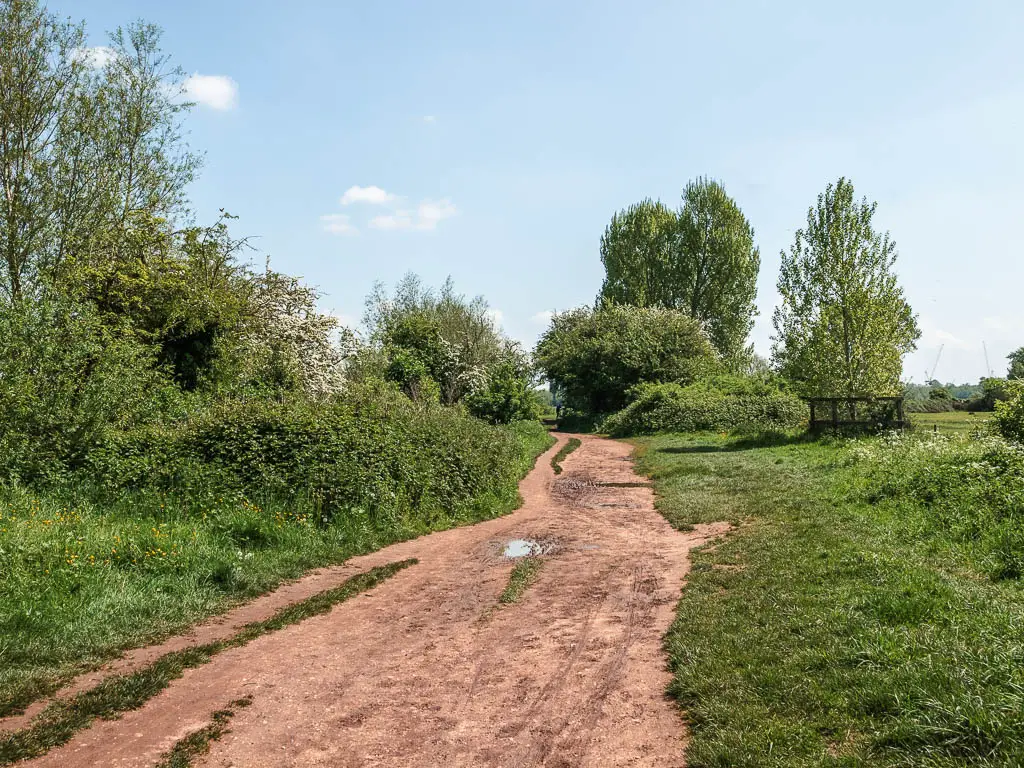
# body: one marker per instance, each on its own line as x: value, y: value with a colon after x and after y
x: 843, y: 326
x: 700, y: 259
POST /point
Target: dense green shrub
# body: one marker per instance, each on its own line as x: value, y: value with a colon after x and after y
x: 1009, y: 418
x: 373, y: 451
x: 508, y: 394
x: 971, y: 490
x: 66, y: 380
x: 595, y: 356
x: 993, y: 390
x: 721, y: 403
x: 929, y: 406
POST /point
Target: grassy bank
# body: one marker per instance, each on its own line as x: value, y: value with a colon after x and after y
x: 842, y: 624
x: 84, y: 577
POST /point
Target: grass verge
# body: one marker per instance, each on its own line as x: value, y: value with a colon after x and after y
x: 186, y: 750
x: 571, y: 445
x: 827, y: 630
x: 524, y: 573
x: 117, y: 694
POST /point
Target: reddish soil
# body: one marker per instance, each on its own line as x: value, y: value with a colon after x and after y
x: 427, y: 670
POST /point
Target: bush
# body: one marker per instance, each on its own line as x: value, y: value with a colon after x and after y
x: 373, y: 452
x: 508, y: 395
x: 1009, y: 417
x: 929, y: 406
x: 66, y: 381
x: 722, y: 403
x: 595, y: 356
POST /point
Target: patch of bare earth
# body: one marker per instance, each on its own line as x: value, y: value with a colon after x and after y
x: 408, y: 675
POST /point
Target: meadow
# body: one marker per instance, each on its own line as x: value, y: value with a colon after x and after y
x: 868, y: 610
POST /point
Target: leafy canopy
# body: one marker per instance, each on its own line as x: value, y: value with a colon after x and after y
x: 1016, y: 370
x: 594, y: 356
x: 843, y: 326
x: 700, y: 259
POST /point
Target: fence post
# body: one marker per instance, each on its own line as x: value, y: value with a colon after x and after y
x: 835, y: 414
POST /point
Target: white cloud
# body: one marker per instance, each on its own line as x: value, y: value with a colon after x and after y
x: 338, y: 224
x: 370, y: 195
x: 429, y: 119
x: 218, y: 92
x: 430, y: 212
x: 543, y: 318
x: 397, y: 220
x: 426, y: 216
x: 96, y: 57
x: 496, y: 316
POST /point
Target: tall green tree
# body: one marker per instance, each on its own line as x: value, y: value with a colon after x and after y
x: 91, y: 151
x: 636, y: 250
x: 700, y: 259
x: 1016, y: 359
x: 717, y: 265
x: 843, y: 326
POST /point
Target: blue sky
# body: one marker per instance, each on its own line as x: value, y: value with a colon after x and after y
x: 500, y: 138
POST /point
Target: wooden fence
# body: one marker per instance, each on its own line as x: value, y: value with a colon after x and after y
x: 856, y: 413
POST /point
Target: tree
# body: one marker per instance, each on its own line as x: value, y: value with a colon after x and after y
x: 701, y: 259
x: 40, y: 80
x: 453, y: 338
x: 843, y: 326
x: 717, y: 265
x: 636, y: 250
x: 91, y: 152
x: 1016, y: 370
x: 595, y: 356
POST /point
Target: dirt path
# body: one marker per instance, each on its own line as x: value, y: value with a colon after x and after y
x: 424, y: 671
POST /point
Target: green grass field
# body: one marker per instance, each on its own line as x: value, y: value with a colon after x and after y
x: 829, y: 631
x: 959, y: 422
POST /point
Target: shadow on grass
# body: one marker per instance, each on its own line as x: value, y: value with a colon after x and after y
x: 746, y: 443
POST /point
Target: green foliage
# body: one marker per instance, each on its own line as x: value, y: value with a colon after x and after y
x: 1016, y: 370
x: 931, y: 405
x: 508, y: 394
x: 66, y: 383
x: 173, y: 524
x: 722, y: 403
x: 1009, y: 417
x: 453, y: 338
x: 444, y: 347
x: 594, y: 356
x: 843, y: 326
x: 701, y: 259
x: 374, y: 453
x: 993, y: 391
x: 970, y: 490
x: 637, y: 253
x: 89, y: 156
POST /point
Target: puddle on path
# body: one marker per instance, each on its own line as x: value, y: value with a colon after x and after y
x: 526, y: 548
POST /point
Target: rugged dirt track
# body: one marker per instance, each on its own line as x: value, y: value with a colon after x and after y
x: 425, y: 671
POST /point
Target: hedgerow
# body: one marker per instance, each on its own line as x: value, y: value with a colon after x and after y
x: 722, y: 403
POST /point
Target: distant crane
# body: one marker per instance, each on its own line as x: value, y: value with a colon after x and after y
x: 988, y: 367
x: 929, y: 377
